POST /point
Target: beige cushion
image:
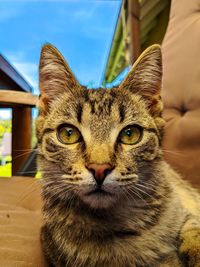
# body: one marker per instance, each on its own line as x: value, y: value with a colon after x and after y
x: 20, y: 221
x: 181, y: 88
x: 20, y: 202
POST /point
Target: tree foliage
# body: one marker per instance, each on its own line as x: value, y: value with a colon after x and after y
x: 5, y: 127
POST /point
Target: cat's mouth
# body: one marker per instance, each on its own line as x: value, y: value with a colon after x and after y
x: 99, y: 191
x: 98, y: 197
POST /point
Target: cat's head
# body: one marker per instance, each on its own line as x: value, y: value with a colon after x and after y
x: 97, y: 145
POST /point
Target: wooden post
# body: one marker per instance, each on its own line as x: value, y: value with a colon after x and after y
x: 21, y: 103
x: 21, y: 135
x: 134, y: 24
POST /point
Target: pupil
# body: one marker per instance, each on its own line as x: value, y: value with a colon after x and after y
x: 129, y: 132
x: 69, y: 132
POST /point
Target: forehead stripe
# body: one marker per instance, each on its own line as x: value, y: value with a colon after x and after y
x: 79, y: 112
x: 121, y: 112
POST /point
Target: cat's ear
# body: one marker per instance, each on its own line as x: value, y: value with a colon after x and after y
x: 55, y: 76
x: 145, y: 78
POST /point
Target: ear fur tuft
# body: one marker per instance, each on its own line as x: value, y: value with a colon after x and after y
x: 145, y: 78
x: 55, y: 76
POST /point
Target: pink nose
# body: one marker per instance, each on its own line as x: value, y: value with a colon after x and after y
x: 99, y: 171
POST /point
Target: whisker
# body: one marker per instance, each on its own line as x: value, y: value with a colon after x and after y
x: 146, y: 187
x: 27, y: 172
x: 153, y: 190
x: 129, y: 195
x: 138, y: 195
x: 145, y: 193
x: 177, y: 153
x: 22, y: 150
x: 42, y: 172
x: 29, y: 189
x: 22, y: 154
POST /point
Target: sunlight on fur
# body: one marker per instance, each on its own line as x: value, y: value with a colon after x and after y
x: 110, y: 199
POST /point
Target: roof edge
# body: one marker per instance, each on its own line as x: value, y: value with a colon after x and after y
x: 14, y: 75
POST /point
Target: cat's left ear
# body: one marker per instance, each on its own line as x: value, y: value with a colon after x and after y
x: 145, y: 78
x: 55, y: 76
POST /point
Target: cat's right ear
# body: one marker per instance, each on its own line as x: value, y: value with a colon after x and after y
x: 145, y: 79
x: 55, y: 76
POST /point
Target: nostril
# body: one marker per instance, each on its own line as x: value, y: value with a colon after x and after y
x: 108, y: 171
x: 100, y: 171
x: 92, y: 171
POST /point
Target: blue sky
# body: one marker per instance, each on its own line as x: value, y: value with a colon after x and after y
x: 81, y: 29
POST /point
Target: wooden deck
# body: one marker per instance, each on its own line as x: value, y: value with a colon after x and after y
x: 20, y: 220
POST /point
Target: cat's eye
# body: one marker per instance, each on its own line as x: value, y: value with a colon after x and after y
x: 130, y: 135
x: 68, y: 134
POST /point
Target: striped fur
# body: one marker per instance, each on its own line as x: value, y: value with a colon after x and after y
x: 148, y: 212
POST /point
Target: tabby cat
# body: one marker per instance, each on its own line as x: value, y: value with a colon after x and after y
x: 110, y: 199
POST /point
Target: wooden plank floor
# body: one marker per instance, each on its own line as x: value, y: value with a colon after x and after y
x: 20, y: 221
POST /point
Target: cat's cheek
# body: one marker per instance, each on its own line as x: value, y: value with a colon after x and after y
x: 149, y: 151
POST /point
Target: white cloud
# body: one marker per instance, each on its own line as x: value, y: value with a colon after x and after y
x: 28, y: 70
x: 84, y: 14
x: 5, y: 114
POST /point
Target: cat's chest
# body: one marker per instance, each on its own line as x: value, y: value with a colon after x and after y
x: 76, y: 236
x: 122, y: 251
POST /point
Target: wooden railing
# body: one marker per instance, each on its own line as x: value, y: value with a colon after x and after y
x: 21, y: 104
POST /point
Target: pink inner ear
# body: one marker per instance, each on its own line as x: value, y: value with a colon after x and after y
x: 146, y: 74
x: 56, y: 76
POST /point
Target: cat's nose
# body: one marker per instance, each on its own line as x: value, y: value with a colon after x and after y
x: 100, y: 171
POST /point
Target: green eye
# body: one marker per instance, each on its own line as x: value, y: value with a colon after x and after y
x: 68, y: 134
x: 130, y: 135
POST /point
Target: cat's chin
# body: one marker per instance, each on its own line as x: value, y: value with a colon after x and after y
x: 98, y: 199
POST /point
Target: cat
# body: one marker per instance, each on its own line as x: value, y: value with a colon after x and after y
x: 110, y: 199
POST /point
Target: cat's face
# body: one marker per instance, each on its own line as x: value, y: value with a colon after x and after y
x: 98, y: 145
